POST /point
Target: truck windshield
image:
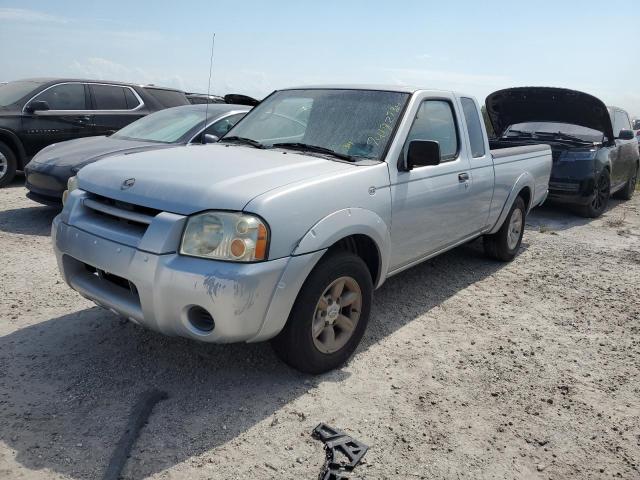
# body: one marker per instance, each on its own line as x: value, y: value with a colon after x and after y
x: 165, y: 126
x: 354, y: 123
x: 582, y: 133
x: 11, y: 92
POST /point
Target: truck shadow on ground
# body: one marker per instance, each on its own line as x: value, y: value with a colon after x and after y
x: 67, y: 385
x: 552, y: 217
x: 28, y: 221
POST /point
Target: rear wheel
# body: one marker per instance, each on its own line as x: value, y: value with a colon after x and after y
x: 329, y: 316
x: 505, y: 243
x: 627, y: 192
x: 600, y: 197
x: 8, y: 165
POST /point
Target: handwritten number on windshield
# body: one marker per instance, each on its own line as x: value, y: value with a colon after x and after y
x: 385, y: 128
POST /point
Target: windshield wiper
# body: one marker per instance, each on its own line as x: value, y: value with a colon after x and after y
x: 564, y: 136
x: 243, y: 140
x: 314, y: 148
x: 518, y: 133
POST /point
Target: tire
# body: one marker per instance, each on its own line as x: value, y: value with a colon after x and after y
x: 627, y: 192
x: 600, y: 200
x: 296, y: 344
x: 8, y: 165
x: 505, y: 243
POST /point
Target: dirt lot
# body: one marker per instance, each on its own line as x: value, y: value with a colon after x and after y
x: 470, y: 369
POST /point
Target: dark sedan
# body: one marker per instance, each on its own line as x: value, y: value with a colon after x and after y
x: 595, y: 153
x: 47, y: 174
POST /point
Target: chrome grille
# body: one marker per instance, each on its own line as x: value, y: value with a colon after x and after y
x: 122, y: 212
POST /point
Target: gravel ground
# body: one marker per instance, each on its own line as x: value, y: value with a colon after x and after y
x: 469, y: 369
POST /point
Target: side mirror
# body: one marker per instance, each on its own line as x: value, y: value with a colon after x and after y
x: 422, y: 153
x: 626, y: 134
x: 209, y: 138
x: 38, y: 105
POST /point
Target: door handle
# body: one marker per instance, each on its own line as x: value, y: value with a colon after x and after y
x: 83, y: 119
x: 463, y: 177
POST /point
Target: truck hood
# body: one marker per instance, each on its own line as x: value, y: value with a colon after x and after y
x: 194, y: 178
x: 545, y: 104
x: 81, y: 151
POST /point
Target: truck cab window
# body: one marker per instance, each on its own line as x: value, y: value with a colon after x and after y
x: 476, y: 139
x: 66, y: 96
x: 621, y: 122
x: 435, y: 121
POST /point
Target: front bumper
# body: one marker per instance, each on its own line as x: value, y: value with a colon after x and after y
x: 248, y: 302
x: 45, y: 182
x: 571, y: 191
x: 572, y: 182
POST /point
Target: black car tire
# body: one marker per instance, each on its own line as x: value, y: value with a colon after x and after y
x: 627, y: 192
x: 8, y: 165
x: 600, y: 200
x: 505, y: 243
x: 296, y: 344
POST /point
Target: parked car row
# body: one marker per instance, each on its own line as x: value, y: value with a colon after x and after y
x: 278, y: 224
x: 38, y: 112
x: 48, y: 172
x: 35, y: 113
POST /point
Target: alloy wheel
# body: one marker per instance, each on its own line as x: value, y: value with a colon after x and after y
x: 336, y: 315
x: 515, y: 229
x: 4, y: 165
x: 601, y: 193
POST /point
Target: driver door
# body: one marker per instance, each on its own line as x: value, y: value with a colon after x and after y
x: 430, y: 204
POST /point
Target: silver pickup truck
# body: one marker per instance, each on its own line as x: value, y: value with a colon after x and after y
x: 284, y: 228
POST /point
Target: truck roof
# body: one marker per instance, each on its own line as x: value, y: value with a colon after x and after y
x: 384, y: 88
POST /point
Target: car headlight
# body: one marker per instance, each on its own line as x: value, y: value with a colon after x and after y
x: 72, y: 184
x: 237, y: 237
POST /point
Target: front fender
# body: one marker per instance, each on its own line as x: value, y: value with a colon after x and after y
x: 344, y: 223
x: 523, y: 181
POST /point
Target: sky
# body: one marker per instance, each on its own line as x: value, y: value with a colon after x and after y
x: 470, y: 46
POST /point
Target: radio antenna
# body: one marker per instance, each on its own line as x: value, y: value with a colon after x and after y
x: 206, y: 109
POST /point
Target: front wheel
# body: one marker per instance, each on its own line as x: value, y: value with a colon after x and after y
x: 329, y: 316
x: 600, y: 197
x: 8, y: 165
x: 505, y: 243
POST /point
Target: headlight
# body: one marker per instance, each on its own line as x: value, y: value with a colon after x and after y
x: 72, y: 184
x: 236, y: 237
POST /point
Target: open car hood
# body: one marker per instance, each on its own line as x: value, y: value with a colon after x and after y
x: 545, y: 104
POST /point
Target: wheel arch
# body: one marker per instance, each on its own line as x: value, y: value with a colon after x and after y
x: 358, y: 230
x: 524, y: 187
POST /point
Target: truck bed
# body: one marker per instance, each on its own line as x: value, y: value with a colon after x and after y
x: 501, y: 150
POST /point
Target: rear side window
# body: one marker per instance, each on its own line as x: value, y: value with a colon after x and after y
x: 435, y: 121
x: 168, y: 98
x: 132, y: 100
x: 109, y: 97
x: 66, y: 96
x: 472, y: 118
x: 621, y: 122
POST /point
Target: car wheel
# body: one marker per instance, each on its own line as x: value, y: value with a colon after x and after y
x: 627, y: 192
x: 329, y: 316
x: 505, y: 243
x: 600, y: 197
x: 8, y: 165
